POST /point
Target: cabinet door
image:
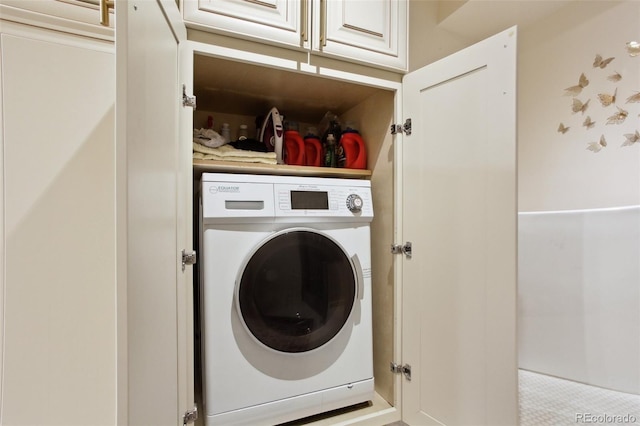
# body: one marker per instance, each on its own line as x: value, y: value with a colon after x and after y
x: 154, y: 288
x: 58, y: 258
x: 81, y: 17
x: 459, y: 191
x: 271, y: 21
x: 372, y: 31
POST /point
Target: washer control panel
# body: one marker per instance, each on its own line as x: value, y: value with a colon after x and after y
x: 323, y: 200
x: 239, y: 198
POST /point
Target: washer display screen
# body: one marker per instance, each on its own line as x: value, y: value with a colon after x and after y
x: 297, y: 291
x: 309, y: 200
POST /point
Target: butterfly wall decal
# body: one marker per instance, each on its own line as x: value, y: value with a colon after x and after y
x: 634, y: 98
x: 606, y: 99
x: 615, y: 77
x: 618, y: 117
x: 562, y: 129
x: 597, y: 146
x: 578, y: 106
x: 631, y: 138
x: 575, y: 90
x: 598, y: 62
x: 588, y: 123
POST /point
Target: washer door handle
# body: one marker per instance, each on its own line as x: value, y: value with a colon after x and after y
x: 359, y: 276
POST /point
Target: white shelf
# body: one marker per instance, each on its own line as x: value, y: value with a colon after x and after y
x: 200, y: 166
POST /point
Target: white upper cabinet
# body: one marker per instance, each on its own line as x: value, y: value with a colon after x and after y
x: 372, y: 32
x: 79, y: 17
x: 270, y: 21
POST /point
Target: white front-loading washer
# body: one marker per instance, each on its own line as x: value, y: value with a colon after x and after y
x: 285, y: 296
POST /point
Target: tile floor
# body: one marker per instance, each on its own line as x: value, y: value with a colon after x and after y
x: 550, y: 401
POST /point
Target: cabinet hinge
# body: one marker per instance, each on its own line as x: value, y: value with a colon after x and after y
x: 399, y: 128
x: 405, y: 249
x: 190, y: 416
x: 404, y: 369
x: 188, y: 258
x: 187, y: 101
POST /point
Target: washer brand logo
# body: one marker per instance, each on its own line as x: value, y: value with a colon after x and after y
x: 224, y: 188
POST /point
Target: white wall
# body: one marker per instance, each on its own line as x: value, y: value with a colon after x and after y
x: 556, y: 171
x: 578, y: 276
x: 428, y: 41
x: 578, y: 296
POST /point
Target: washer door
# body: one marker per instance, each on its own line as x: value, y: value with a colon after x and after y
x: 296, y: 291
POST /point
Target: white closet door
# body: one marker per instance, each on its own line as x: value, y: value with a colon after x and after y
x: 58, y: 272
x: 459, y: 211
x: 152, y: 303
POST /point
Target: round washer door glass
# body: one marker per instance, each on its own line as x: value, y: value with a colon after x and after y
x: 297, y: 291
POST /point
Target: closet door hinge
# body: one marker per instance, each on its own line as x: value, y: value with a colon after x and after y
x: 190, y: 416
x: 404, y: 369
x: 406, y: 249
x: 188, y: 258
x: 187, y: 101
x: 399, y: 128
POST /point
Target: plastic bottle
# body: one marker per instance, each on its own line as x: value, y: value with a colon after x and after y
x: 225, y: 132
x: 352, y: 151
x: 313, y: 148
x: 243, y: 132
x: 330, y: 154
x: 294, y: 152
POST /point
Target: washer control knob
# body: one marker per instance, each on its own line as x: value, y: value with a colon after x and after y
x: 354, y: 203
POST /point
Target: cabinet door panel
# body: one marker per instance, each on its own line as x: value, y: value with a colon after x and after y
x: 372, y: 31
x: 459, y: 191
x: 58, y: 286
x: 68, y: 16
x: 272, y: 21
x: 153, y: 288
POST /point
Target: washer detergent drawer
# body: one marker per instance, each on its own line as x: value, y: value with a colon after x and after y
x: 224, y: 202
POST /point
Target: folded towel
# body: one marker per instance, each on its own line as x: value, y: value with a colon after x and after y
x: 208, y: 137
x: 229, y: 153
x: 201, y: 156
